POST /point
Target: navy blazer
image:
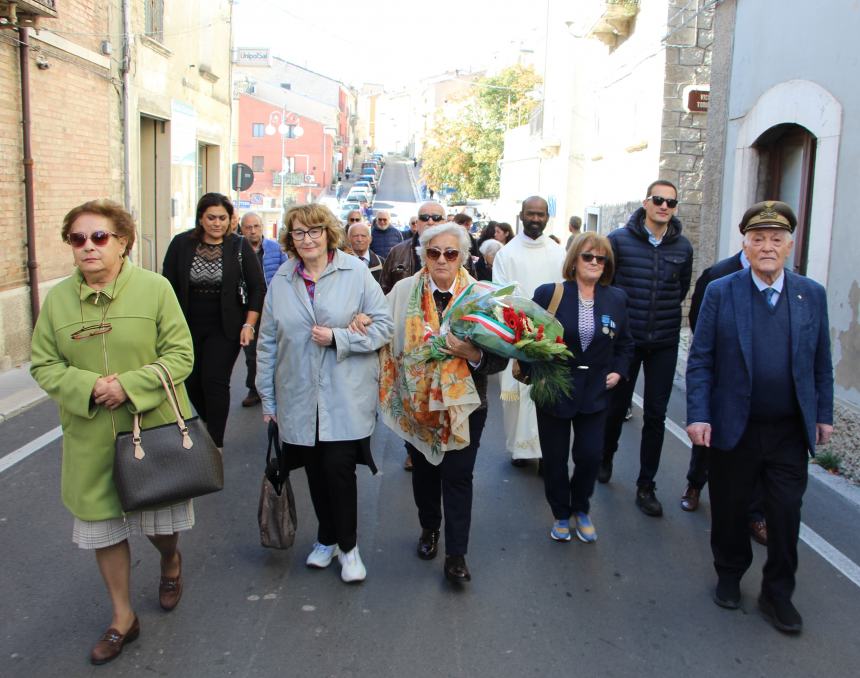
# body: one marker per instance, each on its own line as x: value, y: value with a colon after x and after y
x: 609, y: 352
x: 719, y: 366
x: 719, y: 270
x: 177, y: 269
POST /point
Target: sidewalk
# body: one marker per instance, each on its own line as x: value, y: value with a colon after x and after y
x: 18, y: 391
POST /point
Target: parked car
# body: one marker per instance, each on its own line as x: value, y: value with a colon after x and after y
x: 360, y: 196
x: 364, y: 185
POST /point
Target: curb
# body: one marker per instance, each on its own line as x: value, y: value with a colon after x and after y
x: 10, y: 407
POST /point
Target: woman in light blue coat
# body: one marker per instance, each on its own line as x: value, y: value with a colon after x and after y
x: 318, y: 378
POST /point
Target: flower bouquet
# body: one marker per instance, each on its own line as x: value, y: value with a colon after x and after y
x: 510, y: 326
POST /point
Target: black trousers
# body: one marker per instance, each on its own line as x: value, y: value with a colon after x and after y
x: 448, y: 487
x: 658, y: 365
x: 208, y: 385
x: 570, y: 494
x: 330, y: 467
x: 775, y: 453
x: 251, y: 364
x: 697, y: 476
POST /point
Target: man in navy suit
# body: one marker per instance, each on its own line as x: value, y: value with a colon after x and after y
x: 760, y: 394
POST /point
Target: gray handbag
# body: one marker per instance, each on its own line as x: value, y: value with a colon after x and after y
x: 276, y: 512
x: 166, y: 464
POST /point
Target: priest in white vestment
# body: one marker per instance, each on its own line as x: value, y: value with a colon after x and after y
x: 530, y: 259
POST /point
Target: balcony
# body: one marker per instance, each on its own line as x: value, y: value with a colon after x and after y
x: 26, y: 13
x: 615, y: 21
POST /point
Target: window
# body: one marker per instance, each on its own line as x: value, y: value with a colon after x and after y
x: 154, y: 19
x: 258, y: 163
x: 786, y: 168
x: 258, y: 129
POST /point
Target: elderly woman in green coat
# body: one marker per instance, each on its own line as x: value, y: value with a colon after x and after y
x: 96, y: 332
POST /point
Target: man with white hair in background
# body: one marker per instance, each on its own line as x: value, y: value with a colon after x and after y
x: 530, y: 259
x: 359, y: 238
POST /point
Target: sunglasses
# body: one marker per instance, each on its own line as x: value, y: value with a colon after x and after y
x: 433, y: 253
x: 381, y: 221
x: 588, y: 257
x: 427, y: 217
x: 99, y: 238
x: 659, y: 200
x: 354, y: 220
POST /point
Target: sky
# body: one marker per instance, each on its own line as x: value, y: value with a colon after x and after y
x: 388, y: 42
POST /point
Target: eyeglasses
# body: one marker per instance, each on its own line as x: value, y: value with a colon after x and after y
x: 433, y: 253
x: 588, y: 257
x: 88, y: 331
x: 354, y: 220
x: 314, y: 233
x: 427, y: 217
x: 381, y: 221
x: 659, y: 200
x: 99, y: 238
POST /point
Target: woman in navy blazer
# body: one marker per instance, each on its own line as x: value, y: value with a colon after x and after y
x: 594, y: 316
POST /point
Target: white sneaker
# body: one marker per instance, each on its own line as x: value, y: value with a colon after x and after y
x: 352, y: 569
x: 322, y: 555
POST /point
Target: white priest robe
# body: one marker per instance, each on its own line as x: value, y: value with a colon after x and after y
x: 529, y: 263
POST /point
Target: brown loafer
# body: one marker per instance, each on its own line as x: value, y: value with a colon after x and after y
x: 758, y: 531
x: 407, y: 464
x: 690, y: 499
x: 170, y: 589
x: 251, y: 399
x: 111, y: 643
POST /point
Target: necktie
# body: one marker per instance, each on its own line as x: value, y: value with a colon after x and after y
x: 441, y: 299
x: 769, y: 294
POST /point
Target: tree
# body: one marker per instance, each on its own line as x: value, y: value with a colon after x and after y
x: 463, y: 152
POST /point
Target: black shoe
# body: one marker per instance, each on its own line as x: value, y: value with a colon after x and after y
x: 428, y: 544
x: 781, y: 613
x: 647, y: 502
x: 728, y: 593
x: 604, y: 473
x: 519, y: 463
x: 456, y: 570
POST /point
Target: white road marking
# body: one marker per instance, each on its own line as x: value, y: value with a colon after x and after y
x: 847, y: 567
x: 34, y: 446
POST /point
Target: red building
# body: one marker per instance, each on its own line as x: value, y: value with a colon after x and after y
x: 307, y: 165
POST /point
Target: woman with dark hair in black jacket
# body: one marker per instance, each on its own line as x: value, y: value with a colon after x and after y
x: 219, y: 283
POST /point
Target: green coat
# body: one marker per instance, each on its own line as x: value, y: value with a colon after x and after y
x: 148, y: 325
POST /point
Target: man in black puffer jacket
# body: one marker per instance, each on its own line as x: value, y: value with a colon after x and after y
x: 653, y: 265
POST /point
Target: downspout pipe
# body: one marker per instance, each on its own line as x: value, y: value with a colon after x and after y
x: 126, y: 103
x: 29, y: 198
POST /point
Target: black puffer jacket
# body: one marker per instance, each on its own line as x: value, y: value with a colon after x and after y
x: 656, y: 279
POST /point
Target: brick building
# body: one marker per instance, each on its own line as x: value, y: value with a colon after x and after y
x: 168, y: 65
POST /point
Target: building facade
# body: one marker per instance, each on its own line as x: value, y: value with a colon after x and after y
x: 782, y: 128
x: 128, y: 101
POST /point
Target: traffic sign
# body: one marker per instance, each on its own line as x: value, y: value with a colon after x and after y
x: 243, y: 176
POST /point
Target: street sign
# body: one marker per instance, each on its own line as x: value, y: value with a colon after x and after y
x: 243, y: 204
x: 242, y: 176
x: 696, y: 98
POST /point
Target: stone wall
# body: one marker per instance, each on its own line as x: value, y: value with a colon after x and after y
x: 688, y: 62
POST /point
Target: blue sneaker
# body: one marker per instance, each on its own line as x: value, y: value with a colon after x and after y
x: 560, y: 530
x: 585, y: 531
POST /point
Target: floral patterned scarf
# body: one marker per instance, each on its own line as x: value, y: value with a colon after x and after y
x: 427, y: 403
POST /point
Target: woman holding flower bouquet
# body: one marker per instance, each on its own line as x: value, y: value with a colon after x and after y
x: 594, y: 317
x: 437, y: 406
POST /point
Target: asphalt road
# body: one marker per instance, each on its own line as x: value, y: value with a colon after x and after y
x: 635, y: 603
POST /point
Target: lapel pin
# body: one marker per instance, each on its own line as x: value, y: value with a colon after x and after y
x: 800, y: 296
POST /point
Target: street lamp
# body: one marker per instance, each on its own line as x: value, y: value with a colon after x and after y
x: 287, y: 125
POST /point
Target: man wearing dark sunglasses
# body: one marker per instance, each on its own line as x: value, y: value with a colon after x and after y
x: 384, y: 238
x: 653, y: 265
x: 402, y: 261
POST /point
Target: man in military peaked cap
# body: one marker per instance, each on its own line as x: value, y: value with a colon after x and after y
x: 760, y: 395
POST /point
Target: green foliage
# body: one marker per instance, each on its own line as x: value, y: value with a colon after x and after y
x: 464, y: 152
x: 829, y: 461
